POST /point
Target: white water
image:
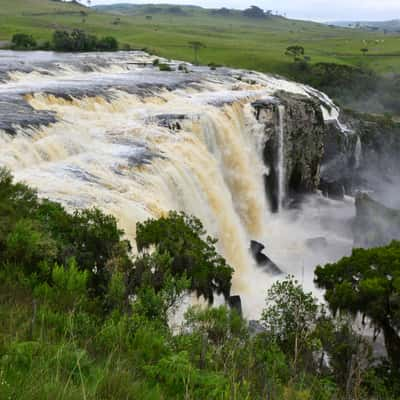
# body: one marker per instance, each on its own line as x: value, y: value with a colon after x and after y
x: 114, y: 154
x: 358, y: 152
x: 281, y: 156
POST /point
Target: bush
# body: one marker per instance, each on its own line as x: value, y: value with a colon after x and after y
x: 164, y: 67
x: 79, y: 40
x: 107, y: 43
x: 22, y: 41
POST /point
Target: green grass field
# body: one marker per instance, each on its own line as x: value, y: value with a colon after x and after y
x: 231, y: 40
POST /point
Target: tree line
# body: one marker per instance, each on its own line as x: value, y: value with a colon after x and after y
x: 76, y: 40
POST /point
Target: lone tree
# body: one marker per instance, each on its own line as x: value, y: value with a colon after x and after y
x: 368, y: 283
x: 295, y: 51
x: 196, y: 46
x: 290, y: 317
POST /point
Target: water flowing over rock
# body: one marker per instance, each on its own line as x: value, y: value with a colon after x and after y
x: 263, y: 260
x: 295, y: 131
x: 113, y: 131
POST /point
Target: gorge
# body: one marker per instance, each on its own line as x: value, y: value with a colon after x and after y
x: 250, y: 155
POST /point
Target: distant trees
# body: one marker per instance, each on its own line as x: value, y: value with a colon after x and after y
x: 23, y: 41
x: 79, y: 40
x: 63, y: 40
x: 176, y: 10
x: 221, y: 11
x: 196, y: 46
x: 254, y: 12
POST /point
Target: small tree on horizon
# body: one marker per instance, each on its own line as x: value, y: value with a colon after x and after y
x: 196, y: 46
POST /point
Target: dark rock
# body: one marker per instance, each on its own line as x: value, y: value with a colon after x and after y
x: 262, y: 260
x: 332, y: 189
x: 235, y: 303
x: 375, y: 225
x: 303, y: 144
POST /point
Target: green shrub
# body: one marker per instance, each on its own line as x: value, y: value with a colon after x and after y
x: 79, y: 40
x: 22, y: 41
x: 107, y: 43
x: 164, y: 67
x: 193, y: 253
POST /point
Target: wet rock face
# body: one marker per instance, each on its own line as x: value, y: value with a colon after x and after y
x: 303, y: 144
x: 375, y: 225
x: 339, y: 166
x: 262, y: 260
x: 364, y: 159
x: 235, y: 303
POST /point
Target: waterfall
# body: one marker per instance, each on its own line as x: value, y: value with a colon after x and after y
x: 280, y: 164
x: 358, y: 152
x: 111, y: 154
x: 137, y: 143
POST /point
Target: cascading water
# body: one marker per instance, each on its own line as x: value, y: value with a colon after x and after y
x: 138, y: 142
x: 358, y: 152
x: 281, y: 157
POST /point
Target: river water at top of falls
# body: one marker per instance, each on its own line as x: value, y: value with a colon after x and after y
x: 138, y: 142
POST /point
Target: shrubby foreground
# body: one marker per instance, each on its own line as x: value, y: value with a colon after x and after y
x: 83, y: 319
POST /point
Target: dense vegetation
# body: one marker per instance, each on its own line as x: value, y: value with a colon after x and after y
x: 355, y: 87
x: 77, y: 40
x: 83, y: 319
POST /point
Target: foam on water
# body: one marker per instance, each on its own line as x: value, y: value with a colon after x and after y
x: 138, y: 142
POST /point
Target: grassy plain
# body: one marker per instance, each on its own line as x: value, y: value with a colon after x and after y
x: 231, y: 40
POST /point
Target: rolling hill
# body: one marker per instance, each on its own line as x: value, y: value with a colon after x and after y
x: 388, y: 26
x: 230, y: 38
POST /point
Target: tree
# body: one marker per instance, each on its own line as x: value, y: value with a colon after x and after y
x: 368, y: 283
x: 291, y: 316
x: 196, y: 46
x: 295, y: 51
x: 193, y: 255
x: 22, y: 41
x: 79, y: 40
x: 107, y: 43
x: 254, y: 12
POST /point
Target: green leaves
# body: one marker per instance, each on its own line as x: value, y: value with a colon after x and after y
x: 367, y: 283
x: 290, y: 317
x: 193, y: 255
x: 79, y: 40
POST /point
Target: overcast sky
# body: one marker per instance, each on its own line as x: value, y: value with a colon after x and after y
x: 321, y: 10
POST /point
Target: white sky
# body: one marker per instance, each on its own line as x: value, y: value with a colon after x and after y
x: 322, y: 10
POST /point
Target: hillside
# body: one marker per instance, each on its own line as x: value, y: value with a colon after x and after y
x: 230, y: 39
x: 388, y: 26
